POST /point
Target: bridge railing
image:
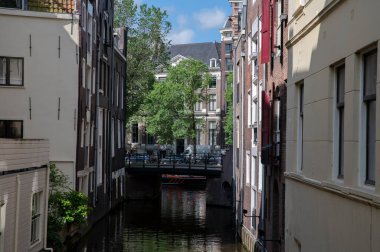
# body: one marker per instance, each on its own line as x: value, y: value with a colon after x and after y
x: 198, y: 161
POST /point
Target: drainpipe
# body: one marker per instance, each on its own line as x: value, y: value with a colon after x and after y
x: 233, y: 137
x: 263, y: 192
x: 111, y: 109
x: 242, y: 126
x: 47, y: 207
x: 17, y: 212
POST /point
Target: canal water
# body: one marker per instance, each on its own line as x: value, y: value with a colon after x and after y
x: 179, y: 222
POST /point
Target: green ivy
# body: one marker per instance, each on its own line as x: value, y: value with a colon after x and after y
x: 66, y: 206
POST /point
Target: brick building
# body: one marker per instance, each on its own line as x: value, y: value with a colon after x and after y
x: 260, y: 70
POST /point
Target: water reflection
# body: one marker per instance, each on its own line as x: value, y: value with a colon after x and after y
x: 179, y: 222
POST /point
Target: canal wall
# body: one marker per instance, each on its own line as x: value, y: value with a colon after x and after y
x: 143, y: 187
x: 219, y: 190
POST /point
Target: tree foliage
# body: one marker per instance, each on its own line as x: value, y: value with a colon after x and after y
x: 170, y: 105
x: 228, y: 125
x: 66, y: 206
x: 147, y: 48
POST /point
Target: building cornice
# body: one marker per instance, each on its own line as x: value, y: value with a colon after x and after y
x: 313, y: 23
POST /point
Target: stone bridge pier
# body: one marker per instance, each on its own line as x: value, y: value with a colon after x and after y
x: 143, y: 187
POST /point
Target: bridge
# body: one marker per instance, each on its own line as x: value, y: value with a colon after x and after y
x: 205, y: 165
x: 144, y: 174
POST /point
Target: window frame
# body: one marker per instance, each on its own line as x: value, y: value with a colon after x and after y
x: 213, y: 82
x: 339, y: 110
x: 36, y: 217
x: 7, y: 127
x: 212, y: 133
x: 213, y: 63
x: 135, y: 132
x: 7, y: 72
x: 212, y: 102
x: 369, y: 100
x: 301, y: 107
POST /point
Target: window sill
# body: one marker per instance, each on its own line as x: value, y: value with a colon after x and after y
x: 34, y: 244
x: 12, y: 86
x: 364, y: 194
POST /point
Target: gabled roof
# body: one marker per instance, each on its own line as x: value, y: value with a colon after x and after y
x: 200, y: 51
x: 227, y: 24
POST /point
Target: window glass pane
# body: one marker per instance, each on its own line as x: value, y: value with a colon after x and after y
x: 2, y: 129
x: 15, y: 129
x: 340, y: 71
x: 370, y: 70
x: 213, y: 82
x: 3, y: 70
x: 341, y: 143
x: 15, y: 71
x: 301, y: 100
x: 371, y: 141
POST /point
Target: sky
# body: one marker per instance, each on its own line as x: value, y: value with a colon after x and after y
x: 193, y: 21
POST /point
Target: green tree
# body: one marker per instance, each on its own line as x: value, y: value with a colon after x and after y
x: 229, y: 119
x: 146, y: 51
x: 170, y: 105
x: 66, y: 206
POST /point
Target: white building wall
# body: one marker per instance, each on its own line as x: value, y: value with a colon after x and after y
x: 16, y: 190
x: 50, y: 79
x: 324, y: 213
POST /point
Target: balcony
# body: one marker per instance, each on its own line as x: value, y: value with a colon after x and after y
x: 52, y: 6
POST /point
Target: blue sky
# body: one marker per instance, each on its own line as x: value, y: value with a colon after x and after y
x: 193, y: 21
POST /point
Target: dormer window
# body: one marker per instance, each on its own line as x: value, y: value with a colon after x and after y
x: 212, y: 63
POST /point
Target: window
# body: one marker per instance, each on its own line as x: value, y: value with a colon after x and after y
x: 113, y: 136
x: 229, y: 64
x: 36, y: 217
x: 213, y: 82
x: 11, y: 4
x: 212, y: 133
x: 248, y: 168
x: 11, y: 129
x: 212, y: 102
x: 340, y: 84
x: 198, y: 106
x: 135, y: 133
x: 198, y: 133
x: 11, y: 71
x: 249, y: 122
x: 213, y: 63
x: 300, y: 126
x: 118, y: 134
x: 102, y: 78
x: 228, y: 48
x: 369, y: 98
x: 279, y: 26
x: 117, y: 88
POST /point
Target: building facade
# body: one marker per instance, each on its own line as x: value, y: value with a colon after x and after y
x: 62, y: 78
x: 212, y: 110
x: 101, y: 150
x: 39, y: 79
x: 332, y: 159
x: 260, y: 74
x: 24, y: 192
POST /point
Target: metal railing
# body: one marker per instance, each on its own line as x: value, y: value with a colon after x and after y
x: 198, y: 161
x: 52, y: 6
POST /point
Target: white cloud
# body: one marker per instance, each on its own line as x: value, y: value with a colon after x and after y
x: 182, y: 20
x: 210, y: 18
x: 181, y: 37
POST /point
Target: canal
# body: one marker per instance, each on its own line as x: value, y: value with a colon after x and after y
x: 180, y: 221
